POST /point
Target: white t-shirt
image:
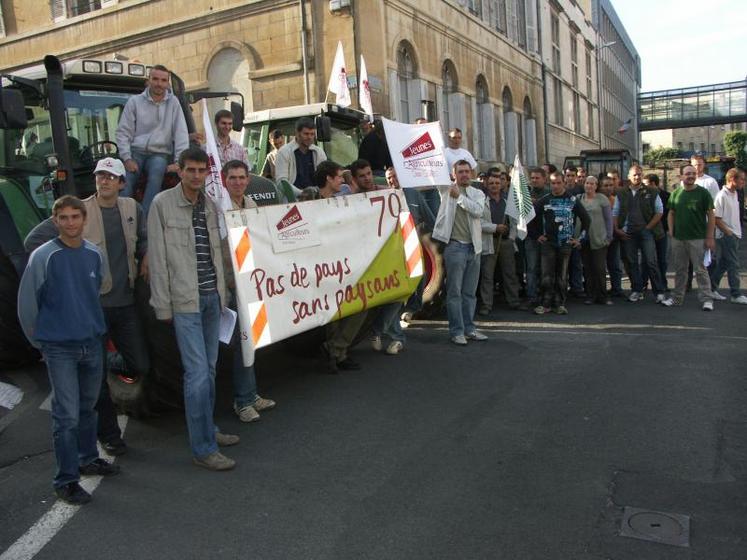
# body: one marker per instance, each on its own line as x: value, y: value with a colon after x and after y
x: 453, y: 156
x: 726, y: 207
x: 709, y: 184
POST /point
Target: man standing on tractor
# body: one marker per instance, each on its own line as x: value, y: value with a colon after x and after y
x: 297, y: 161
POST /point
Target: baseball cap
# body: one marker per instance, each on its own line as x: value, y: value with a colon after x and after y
x: 110, y: 165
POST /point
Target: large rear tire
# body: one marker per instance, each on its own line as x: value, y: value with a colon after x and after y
x: 435, y: 274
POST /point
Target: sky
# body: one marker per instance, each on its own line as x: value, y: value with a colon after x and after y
x: 686, y: 43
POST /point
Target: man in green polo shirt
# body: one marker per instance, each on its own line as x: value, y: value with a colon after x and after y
x: 691, y: 226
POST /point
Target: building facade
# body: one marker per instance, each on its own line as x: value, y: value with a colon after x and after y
x: 473, y: 64
x: 708, y: 140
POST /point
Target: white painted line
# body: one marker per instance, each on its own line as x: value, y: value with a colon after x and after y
x: 47, y: 404
x: 565, y: 326
x: 37, y: 537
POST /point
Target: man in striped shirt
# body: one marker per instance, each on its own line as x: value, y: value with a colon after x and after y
x: 188, y: 290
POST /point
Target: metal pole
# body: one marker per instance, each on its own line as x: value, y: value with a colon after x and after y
x: 303, y: 53
x: 599, y: 94
x: 356, y: 46
x: 544, y: 83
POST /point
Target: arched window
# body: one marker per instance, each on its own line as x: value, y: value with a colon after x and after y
x: 406, y: 73
x: 448, y: 87
x: 229, y: 71
x: 510, y: 126
x: 484, y: 121
x: 530, y: 134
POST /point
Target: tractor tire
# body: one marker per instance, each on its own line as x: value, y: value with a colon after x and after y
x: 434, y: 292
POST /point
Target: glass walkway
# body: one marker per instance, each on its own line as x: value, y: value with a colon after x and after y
x: 694, y: 106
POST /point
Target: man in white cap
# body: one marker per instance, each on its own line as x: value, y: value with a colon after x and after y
x: 117, y: 226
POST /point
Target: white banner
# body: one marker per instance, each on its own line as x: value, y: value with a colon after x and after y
x: 214, y: 187
x: 338, y: 79
x: 417, y: 152
x: 364, y: 92
x: 300, y: 266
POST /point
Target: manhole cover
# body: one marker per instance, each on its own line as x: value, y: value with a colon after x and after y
x: 656, y: 526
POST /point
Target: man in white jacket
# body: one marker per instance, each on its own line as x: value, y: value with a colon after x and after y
x: 297, y: 161
x: 458, y: 225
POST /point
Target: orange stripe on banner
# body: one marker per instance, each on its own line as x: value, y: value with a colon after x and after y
x: 408, y: 226
x: 259, y: 324
x: 413, y: 260
x: 243, y: 248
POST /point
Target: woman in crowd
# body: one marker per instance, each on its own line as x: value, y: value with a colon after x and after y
x: 594, y: 246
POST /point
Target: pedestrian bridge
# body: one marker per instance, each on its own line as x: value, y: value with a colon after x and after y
x: 693, y: 106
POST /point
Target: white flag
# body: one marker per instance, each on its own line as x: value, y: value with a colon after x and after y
x: 214, y: 187
x: 364, y: 91
x: 519, y: 202
x: 338, y: 79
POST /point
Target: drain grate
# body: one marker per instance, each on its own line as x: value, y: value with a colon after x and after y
x: 656, y: 526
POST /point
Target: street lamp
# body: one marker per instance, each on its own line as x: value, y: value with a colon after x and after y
x: 599, y: 88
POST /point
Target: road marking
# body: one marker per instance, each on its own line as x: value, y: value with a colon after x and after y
x: 55, y: 519
x: 47, y: 403
x: 566, y: 326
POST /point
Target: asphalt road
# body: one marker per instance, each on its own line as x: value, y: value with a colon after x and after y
x: 527, y: 446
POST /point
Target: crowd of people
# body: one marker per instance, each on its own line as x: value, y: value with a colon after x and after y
x: 78, y: 288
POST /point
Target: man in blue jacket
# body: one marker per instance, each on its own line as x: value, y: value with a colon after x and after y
x: 60, y: 312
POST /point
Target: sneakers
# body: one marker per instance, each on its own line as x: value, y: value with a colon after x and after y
x: 99, y: 467
x: 561, y: 310
x: 476, y: 335
x: 394, y: 348
x: 73, y: 494
x: 635, y: 296
x: 541, y: 310
x: 459, y: 340
x: 246, y: 413
x: 664, y: 300
x: 376, y: 343
x: 718, y: 297
x: 226, y: 440
x: 114, y: 448
x: 406, y: 316
x: 739, y: 299
x: 707, y: 306
x: 215, y: 462
x: 348, y: 364
x: 263, y: 404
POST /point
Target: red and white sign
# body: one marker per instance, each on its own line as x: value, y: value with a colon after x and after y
x: 417, y: 152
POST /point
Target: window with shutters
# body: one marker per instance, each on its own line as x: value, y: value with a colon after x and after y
x: 590, y: 118
x: 494, y: 12
x: 558, y: 105
x: 405, y: 74
x: 485, y: 120
x: 576, y: 112
x: 448, y: 88
x: 475, y: 7
x: 2, y: 22
x: 521, y: 23
x: 588, y: 73
x: 574, y: 60
x: 63, y: 9
x: 555, y: 33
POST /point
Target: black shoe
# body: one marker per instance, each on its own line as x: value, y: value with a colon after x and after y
x: 114, y: 448
x: 99, y: 467
x: 328, y: 363
x: 348, y: 364
x: 73, y: 494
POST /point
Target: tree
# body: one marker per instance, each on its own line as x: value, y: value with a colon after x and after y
x: 734, y: 145
x: 659, y: 155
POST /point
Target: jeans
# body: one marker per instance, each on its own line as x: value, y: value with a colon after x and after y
x: 642, y: 240
x: 197, y: 339
x: 75, y: 371
x: 462, y: 275
x: 387, y: 324
x: 662, y: 246
x: 154, y: 166
x: 727, y: 262
x: 554, y: 274
x: 576, y: 272
x: 614, y: 267
x: 244, y: 380
x: 595, y: 269
x: 684, y: 252
x: 532, y: 267
x: 125, y: 331
x: 503, y: 253
x: 415, y: 303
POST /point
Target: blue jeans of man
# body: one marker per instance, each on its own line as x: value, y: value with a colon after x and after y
x: 386, y: 323
x: 614, y: 267
x: 642, y: 241
x: 554, y: 274
x: 661, y: 258
x: 197, y: 338
x: 75, y: 370
x: 462, y: 275
x: 125, y: 330
x: 154, y: 166
x: 576, y: 272
x: 727, y: 251
x: 531, y: 248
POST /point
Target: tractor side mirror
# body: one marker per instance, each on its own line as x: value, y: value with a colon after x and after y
x: 237, y: 112
x: 12, y: 109
x: 323, y: 129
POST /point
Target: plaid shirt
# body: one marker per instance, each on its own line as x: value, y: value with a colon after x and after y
x: 232, y: 150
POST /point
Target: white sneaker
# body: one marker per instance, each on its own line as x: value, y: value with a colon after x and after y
x: 406, y: 316
x: 476, y: 335
x: 263, y: 404
x: 394, y: 348
x: 376, y: 343
x: 707, y: 306
x: 246, y: 413
x: 666, y: 302
x: 459, y: 340
x: 635, y: 296
x: 718, y: 297
x: 740, y: 299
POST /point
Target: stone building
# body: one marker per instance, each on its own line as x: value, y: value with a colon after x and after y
x: 708, y: 140
x: 474, y: 64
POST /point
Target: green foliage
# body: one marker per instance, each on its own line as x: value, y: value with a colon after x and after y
x: 734, y: 144
x: 659, y: 155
